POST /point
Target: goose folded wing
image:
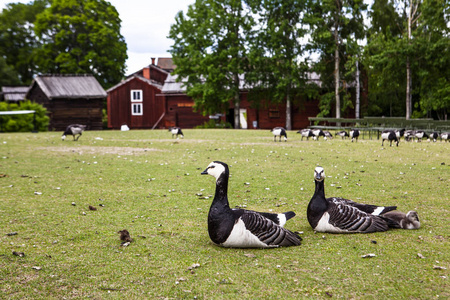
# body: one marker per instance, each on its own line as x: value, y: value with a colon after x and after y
x: 368, y: 208
x: 268, y: 231
x: 351, y: 219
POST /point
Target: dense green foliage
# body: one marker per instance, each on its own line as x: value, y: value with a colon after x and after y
x: 18, y: 41
x: 23, y: 122
x: 428, y: 51
x: 210, y: 51
x: 150, y: 184
x: 333, y: 31
x: 64, y: 37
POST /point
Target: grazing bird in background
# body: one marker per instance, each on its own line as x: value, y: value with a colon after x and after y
x: 354, y: 134
x: 327, y: 134
x: 317, y: 133
x: 389, y: 135
x: 445, y: 136
x: 240, y: 228
x: 280, y: 132
x: 73, y: 130
x: 176, y: 131
x: 399, y: 133
x: 338, y: 215
x: 419, y: 134
x: 434, y: 136
x: 342, y: 134
x: 307, y: 133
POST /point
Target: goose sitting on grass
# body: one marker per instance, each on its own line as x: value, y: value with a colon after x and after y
x: 338, y: 215
x: 240, y: 228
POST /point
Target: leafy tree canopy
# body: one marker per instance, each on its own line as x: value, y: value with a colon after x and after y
x: 81, y: 37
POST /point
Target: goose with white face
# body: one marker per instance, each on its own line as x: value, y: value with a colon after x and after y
x: 214, y: 169
x: 319, y: 174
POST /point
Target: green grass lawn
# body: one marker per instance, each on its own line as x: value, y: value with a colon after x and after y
x: 151, y: 185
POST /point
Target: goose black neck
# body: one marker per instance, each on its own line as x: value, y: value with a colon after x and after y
x: 320, y: 188
x: 221, y: 195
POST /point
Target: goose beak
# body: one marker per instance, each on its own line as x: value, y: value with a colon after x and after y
x: 204, y: 172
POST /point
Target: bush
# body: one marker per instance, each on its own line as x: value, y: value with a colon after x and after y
x: 212, y: 124
x: 25, y: 122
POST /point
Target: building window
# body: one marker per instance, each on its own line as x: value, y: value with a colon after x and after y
x: 136, y: 96
x: 274, y: 113
x: 136, y: 109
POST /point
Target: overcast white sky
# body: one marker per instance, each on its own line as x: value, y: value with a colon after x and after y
x: 145, y: 26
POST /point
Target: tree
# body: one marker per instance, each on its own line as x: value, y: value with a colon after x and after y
x: 276, y: 52
x: 409, y: 39
x: 334, y: 23
x: 8, y: 76
x: 81, y: 37
x: 210, y: 52
x: 17, y: 38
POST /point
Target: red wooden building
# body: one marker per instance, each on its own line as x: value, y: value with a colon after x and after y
x: 133, y: 101
x: 179, y: 110
x: 151, y: 98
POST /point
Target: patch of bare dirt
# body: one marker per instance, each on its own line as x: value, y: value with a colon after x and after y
x: 102, y: 150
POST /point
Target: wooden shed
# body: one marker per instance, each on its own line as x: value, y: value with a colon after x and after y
x: 69, y: 99
x: 133, y: 101
x: 14, y: 94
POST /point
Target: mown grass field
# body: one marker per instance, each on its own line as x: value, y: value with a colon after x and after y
x: 149, y: 184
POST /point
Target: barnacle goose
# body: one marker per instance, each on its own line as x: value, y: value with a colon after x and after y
x: 240, y: 228
x: 317, y: 133
x: 389, y: 135
x: 176, y: 131
x: 73, y: 130
x: 307, y: 133
x: 327, y: 134
x: 354, y: 134
x: 419, y: 134
x: 399, y: 133
x: 409, y: 220
x: 445, y: 136
x: 434, y: 136
x: 342, y: 134
x: 338, y: 215
x: 279, y: 131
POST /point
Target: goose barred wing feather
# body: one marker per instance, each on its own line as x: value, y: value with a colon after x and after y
x: 367, y: 208
x: 351, y: 219
x: 269, y: 232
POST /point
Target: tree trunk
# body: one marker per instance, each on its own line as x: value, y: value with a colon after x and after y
x: 237, y: 123
x: 358, y: 92
x: 288, y: 110
x: 336, y: 71
x: 408, y: 89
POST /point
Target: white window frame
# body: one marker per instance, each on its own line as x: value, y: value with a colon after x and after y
x: 137, y: 93
x: 135, y: 105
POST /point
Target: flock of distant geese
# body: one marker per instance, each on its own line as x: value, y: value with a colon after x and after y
x: 353, y: 134
x: 241, y: 228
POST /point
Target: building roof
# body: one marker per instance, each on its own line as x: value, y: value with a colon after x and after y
x: 131, y: 77
x: 171, y: 86
x: 166, y: 63
x: 69, y: 86
x: 14, y: 93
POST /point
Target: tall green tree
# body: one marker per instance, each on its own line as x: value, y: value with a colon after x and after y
x: 278, y: 68
x: 333, y: 24
x: 17, y: 39
x: 409, y: 57
x: 210, y: 52
x: 81, y: 37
